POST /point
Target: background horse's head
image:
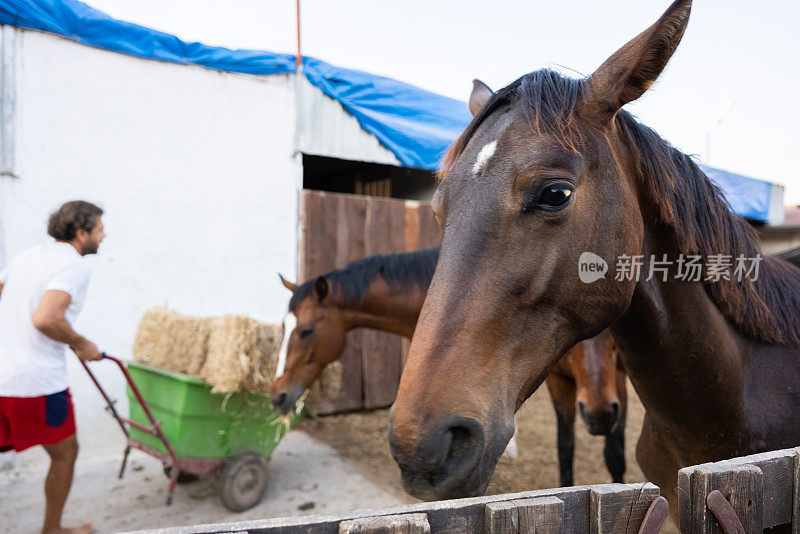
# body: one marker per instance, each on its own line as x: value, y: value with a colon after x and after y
x: 542, y: 174
x: 594, y: 364
x: 314, y: 333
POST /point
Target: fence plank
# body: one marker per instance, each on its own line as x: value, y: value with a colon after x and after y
x: 336, y: 237
x: 685, y: 499
x: 742, y: 486
x: 619, y: 509
x: 382, y: 365
x: 542, y: 515
x: 501, y: 518
x: 411, y: 232
x: 382, y: 356
x: 796, y: 492
x: 388, y: 524
x: 430, y: 233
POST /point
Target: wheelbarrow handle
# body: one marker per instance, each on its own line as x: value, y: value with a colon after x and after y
x: 105, y: 356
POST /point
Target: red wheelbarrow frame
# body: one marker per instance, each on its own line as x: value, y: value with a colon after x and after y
x: 177, y: 465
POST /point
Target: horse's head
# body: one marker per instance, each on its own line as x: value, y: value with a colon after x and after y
x: 594, y: 365
x: 313, y: 336
x: 541, y: 175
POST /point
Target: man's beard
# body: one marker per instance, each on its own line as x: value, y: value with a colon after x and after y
x: 90, y: 248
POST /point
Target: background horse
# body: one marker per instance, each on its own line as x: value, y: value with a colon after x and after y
x: 386, y: 292
x: 550, y: 168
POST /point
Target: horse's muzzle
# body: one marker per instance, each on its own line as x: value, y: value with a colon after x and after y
x: 600, y: 422
x: 284, y: 401
x: 449, y: 461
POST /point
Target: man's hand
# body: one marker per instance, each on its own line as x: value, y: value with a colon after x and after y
x: 86, y: 350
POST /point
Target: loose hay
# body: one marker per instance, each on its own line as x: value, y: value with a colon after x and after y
x: 231, y: 353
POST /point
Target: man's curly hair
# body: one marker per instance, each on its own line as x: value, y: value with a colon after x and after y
x: 64, y: 223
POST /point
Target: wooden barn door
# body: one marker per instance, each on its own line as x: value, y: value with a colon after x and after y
x: 336, y: 229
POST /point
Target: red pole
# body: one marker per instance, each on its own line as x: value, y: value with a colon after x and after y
x: 299, y: 56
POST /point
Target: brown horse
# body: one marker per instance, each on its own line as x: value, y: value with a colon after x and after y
x: 550, y: 168
x: 386, y: 292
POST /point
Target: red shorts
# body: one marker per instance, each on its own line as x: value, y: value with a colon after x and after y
x: 29, y: 421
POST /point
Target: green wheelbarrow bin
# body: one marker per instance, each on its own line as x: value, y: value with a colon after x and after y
x: 175, y: 418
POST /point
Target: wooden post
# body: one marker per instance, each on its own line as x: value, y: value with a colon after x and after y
x: 501, y: 518
x: 620, y: 509
x: 542, y: 515
x: 388, y: 524
x: 539, y: 515
x: 796, y: 493
x: 742, y: 486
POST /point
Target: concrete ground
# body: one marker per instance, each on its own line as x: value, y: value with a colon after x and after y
x: 305, y: 477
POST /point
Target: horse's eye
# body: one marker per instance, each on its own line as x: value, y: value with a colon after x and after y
x: 305, y: 333
x: 555, y: 197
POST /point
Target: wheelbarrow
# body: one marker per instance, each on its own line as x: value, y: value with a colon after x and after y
x: 175, y: 418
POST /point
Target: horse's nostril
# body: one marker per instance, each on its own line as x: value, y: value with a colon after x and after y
x: 280, y: 400
x: 462, y: 441
x: 614, y: 411
x: 449, y: 452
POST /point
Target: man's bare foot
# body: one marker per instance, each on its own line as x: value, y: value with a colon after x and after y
x: 86, y: 528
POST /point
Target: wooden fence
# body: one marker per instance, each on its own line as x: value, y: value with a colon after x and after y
x: 336, y: 229
x: 606, y: 508
x: 762, y: 492
x: 747, y: 495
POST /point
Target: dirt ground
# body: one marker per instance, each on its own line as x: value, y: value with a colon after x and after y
x: 536, y: 467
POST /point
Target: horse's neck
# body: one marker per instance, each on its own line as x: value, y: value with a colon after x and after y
x: 685, y: 360
x: 383, y: 308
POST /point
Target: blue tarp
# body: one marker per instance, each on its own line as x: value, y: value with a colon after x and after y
x: 747, y: 196
x: 417, y: 126
x: 86, y: 25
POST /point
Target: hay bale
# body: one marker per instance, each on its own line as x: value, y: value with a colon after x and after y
x: 327, y: 386
x: 231, y: 353
x: 172, y: 341
x: 242, y: 354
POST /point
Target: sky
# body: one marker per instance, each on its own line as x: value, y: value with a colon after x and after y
x: 736, y: 51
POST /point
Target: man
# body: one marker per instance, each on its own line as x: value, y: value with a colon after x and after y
x: 41, y: 292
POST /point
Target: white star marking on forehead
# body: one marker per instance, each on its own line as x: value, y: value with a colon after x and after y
x: 289, y: 324
x: 483, y: 156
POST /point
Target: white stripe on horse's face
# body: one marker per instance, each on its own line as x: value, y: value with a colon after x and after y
x: 483, y: 156
x: 289, y: 324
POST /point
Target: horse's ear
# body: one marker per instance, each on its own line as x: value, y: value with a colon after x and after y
x: 632, y: 69
x: 287, y: 284
x: 321, y: 288
x: 480, y: 95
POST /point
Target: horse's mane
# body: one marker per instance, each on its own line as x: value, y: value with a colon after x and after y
x: 402, y: 270
x: 685, y: 201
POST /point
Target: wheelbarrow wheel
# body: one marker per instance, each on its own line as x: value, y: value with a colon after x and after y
x: 243, y: 481
x: 183, y: 478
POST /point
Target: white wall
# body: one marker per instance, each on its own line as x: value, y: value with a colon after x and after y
x: 195, y: 168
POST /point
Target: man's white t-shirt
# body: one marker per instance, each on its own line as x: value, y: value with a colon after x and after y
x: 32, y: 364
